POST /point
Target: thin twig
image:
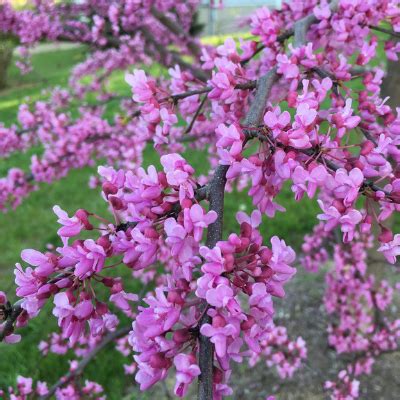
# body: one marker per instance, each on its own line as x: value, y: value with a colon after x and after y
x: 199, y: 108
x: 383, y: 30
x: 86, y: 360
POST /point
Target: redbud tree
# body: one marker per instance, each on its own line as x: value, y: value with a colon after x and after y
x: 297, y: 103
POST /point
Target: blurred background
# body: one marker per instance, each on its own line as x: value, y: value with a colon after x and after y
x: 33, y: 225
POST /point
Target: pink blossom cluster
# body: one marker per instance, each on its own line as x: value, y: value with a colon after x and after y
x: 353, y: 297
x: 269, y: 114
x: 346, y: 387
x: 314, y: 248
x: 280, y: 351
x: 26, y: 390
x: 240, y: 264
x: 355, y: 302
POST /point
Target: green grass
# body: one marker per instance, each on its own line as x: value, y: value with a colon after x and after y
x: 33, y: 224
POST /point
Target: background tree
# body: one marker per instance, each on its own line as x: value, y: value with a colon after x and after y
x: 299, y: 105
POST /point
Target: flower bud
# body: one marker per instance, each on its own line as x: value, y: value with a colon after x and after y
x: 175, y: 297
x: 246, y: 325
x: 107, y: 281
x: 109, y: 188
x: 116, y: 202
x: 101, y: 308
x: 386, y: 235
x: 218, y: 321
x: 158, y: 361
x: 266, y: 255
x: 367, y: 147
x: 181, y: 335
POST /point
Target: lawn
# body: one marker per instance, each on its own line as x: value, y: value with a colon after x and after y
x: 33, y: 224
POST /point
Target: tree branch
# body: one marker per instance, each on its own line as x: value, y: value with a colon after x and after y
x: 207, y: 89
x: 216, y: 191
x: 383, y: 30
x: 301, y: 26
x: 9, y: 324
x: 174, y: 58
x: 175, y: 28
x: 196, y: 114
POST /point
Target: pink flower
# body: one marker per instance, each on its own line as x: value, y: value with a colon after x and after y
x: 159, y: 317
x: 214, y: 261
x: 305, y: 181
x: 348, y: 223
x: 303, y: 124
x: 265, y: 24
x: 285, y: 67
x: 333, y: 217
x: 344, y: 120
x: 391, y: 249
x: 277, y: 120
x: 12, y: 338
x: 223, y: 297
x: 24, y: 385
x: 230, y: 141
x: 182, y: 246
x: 282, y: 257
x: 27, y: 283
x: 178, y: 173
x: 219, y: 336
x: 223, y: 88
x: 122, y: 299
x: 63, y: 307
x: 91, y: 258
x: 254, y: 220
x: 347, y: 185
x: 148, y: 376
x: 143, y: 89
x: 261, y: 299
x: 72, y: 226
x: 45, y: 264
x: 283, y: 164
x: 196, y: 220
x: 186, y: 371
x: 83, y: 310
x: 322, y: 11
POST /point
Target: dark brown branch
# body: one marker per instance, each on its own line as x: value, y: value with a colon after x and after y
x: 176, y: 29
x: 207, y: 89
x: 197, y: 113
x: 8, y: 327
x: 301, y: 26
x: 260, y: 46
x: 383, y: 30
x: 216, y: 191
x: 86, y: 360
x: 170, y: 59
x: 368, y: 136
